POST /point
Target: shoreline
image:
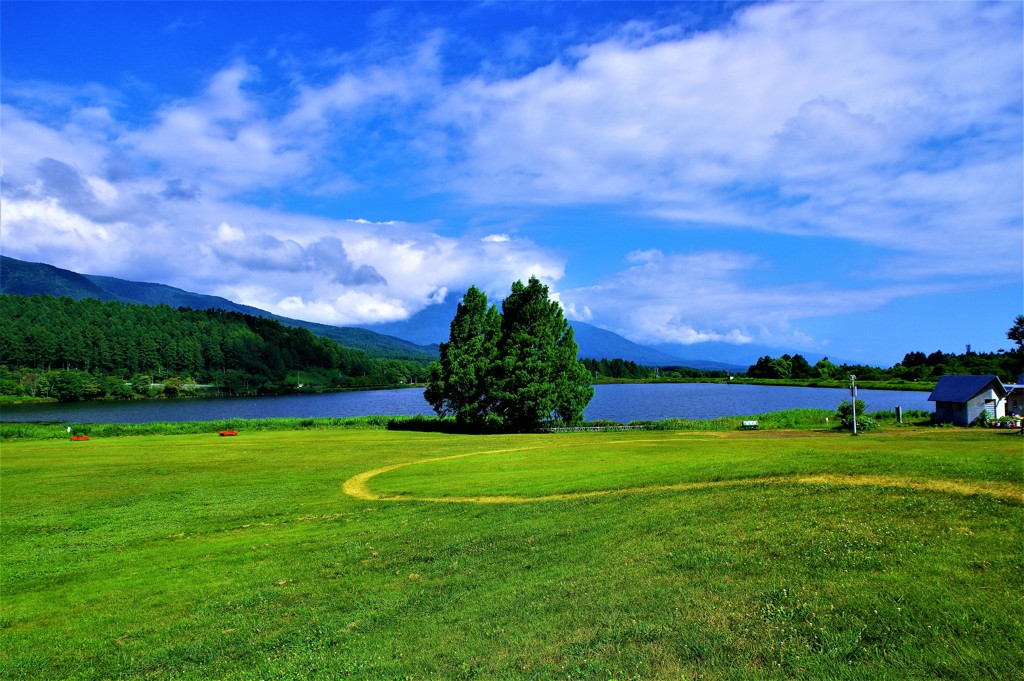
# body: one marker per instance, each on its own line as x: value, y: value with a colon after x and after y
x: 158, y: 398
x: 922, y: 386
x: 917, y: 386
x: 803, y: 419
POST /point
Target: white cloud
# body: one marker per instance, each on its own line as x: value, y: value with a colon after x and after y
x: 705, y: 296
x: 24, y: 219
x: 409, y: 75
x: 882, y: 123
x: 227, y: 233
x: 102, y: 191
x: 222, y: 137
x: 350, y: 307
x: 26, y: 141
x: 349, y: 272
x: 332, y: 271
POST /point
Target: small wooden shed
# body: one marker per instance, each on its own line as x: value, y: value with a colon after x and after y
x: 961, y: 399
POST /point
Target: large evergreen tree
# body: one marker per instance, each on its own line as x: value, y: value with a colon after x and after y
x: 571, y: 380
x: 511, y: 371
x: 458, y: 382
x: 534, y: 373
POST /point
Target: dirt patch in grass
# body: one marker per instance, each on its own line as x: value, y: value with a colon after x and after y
x: 999, y: 490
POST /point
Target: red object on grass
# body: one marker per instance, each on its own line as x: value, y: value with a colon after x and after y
x: 228, y: 432
x: 79, y: 438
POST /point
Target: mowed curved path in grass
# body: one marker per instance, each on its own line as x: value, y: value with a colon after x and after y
x: 634, y: 465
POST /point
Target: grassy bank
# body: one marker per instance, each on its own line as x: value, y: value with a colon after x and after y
x: 59, y: 430
x: 787, y: 419
x: 718, y: 555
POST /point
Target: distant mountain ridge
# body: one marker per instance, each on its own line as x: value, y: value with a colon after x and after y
x: 431, y: 326
x: 28, y: 278
x: 415, y: 338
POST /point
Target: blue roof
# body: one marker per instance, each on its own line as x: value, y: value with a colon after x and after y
x: 963, y: 388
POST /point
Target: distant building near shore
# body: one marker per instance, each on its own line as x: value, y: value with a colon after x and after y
x: 1015, y: 400
x: 960, y: 400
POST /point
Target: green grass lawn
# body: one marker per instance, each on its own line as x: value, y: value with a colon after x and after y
x: 657, y: 554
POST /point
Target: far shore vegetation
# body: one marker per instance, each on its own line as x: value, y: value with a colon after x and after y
x: 70, y: 350
x: 788, y: 419
x: 60, y: 349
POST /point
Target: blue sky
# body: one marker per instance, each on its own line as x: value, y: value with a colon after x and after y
x: 832, y: 178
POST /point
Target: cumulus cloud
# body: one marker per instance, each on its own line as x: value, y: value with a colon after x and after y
x: 261, y: 252
x: 349, y: 307
x: 878, y: 123
x: 64, y: 183
x: 222, y: 136
x: 326, y: 270
x: 329, y: 254
x: 177, y: 189
x: 352, y: 271
x: 27, y: 141
x: 41, y: 230
x: 707, y: 296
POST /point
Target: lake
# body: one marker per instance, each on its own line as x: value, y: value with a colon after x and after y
x: 622, y: 403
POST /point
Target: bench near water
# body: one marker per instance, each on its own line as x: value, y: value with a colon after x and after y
x: 750, y: 425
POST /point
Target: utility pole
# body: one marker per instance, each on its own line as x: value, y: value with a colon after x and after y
x: 853, y: 395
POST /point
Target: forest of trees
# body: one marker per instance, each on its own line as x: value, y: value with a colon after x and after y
x: 627, y: 370
x: 916, y: 366
x: 78, y: 349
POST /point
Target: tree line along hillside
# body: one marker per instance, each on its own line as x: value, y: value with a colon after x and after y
x: 916, y: 366
x: 627, y: 370
x: 44, y: 340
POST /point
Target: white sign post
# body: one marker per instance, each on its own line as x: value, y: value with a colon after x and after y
x: 853, y: 394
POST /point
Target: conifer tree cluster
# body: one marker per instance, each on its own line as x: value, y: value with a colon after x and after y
x: 81, y: 349
x: 510, y: 370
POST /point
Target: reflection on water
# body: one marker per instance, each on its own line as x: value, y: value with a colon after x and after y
x: 621, y: 403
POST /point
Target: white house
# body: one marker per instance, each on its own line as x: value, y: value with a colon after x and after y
x: 961, y: 399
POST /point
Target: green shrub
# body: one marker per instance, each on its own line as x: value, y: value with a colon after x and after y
x: 845, y: 413
x: 866, y: 423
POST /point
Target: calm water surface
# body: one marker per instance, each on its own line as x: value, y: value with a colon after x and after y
x: 621, y: 403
